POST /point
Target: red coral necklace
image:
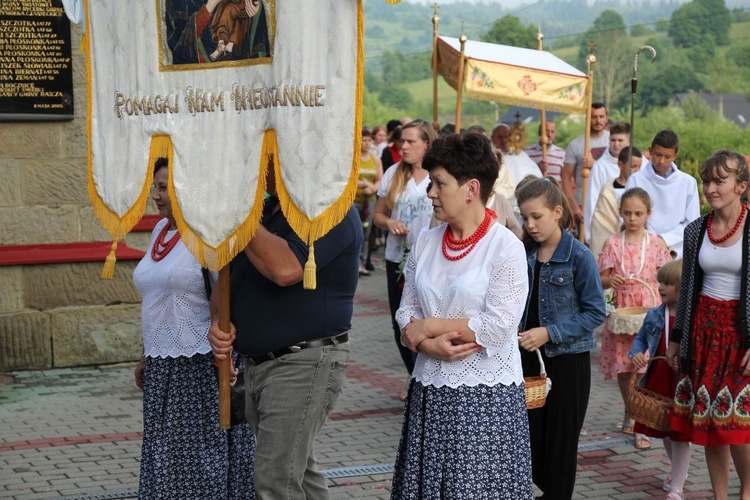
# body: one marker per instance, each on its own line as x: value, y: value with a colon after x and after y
x: 730, y: 233
x: 162, y: 247
x: 468, y: 244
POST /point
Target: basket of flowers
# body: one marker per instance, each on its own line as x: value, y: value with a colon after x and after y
x: 628, y: 320
x: 648, y: 407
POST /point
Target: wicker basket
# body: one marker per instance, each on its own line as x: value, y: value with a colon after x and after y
x: 628, y: 320
x: 536, y: 388
x: 649, y: 408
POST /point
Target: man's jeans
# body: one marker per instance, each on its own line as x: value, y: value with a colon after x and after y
x: 287, y: 401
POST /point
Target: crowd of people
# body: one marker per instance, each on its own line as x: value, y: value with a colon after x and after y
x: 486, y: 276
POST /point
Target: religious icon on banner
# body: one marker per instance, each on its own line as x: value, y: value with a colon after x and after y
x: 216, y: 32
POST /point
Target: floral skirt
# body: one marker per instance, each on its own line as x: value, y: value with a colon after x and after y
x: 185, y: 453
x: 712, y: 400
x: 466, y: 443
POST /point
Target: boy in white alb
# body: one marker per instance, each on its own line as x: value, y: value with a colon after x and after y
x: 606, y: 220
x: 604, y: 169
x: 675, y: 193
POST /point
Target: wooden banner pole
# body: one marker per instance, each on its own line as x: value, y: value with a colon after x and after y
x: 460, y: 82
x: 224, y: 364
x: 435, y: 21
x: 586, y: 171
x: 543, y: 139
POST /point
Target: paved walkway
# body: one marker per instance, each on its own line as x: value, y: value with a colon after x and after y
x: 75, y: 433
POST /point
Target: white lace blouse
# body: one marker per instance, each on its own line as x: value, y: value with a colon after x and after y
x: 489, y: 286
x: 175, y: 311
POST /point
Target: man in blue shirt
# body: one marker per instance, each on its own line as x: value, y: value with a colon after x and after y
x: 294, y: 342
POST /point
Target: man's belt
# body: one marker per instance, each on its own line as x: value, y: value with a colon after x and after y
x: 308, y: 344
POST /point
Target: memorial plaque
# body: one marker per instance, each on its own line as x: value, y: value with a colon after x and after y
x: 36, y: 72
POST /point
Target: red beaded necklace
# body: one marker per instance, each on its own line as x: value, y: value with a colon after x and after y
x: 161, y: 247
x: 468, y: 244
x: 730, y: 233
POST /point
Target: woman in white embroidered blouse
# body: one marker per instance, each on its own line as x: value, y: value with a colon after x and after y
x: 466, y: 431
x: 185, y: 453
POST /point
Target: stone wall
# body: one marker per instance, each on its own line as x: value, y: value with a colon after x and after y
x: 59, y: 315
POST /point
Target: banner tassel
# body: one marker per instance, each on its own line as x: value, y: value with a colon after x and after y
x: 109, y: 263
x: 309, y: 281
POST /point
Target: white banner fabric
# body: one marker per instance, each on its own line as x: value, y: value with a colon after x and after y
x: 217, y: 86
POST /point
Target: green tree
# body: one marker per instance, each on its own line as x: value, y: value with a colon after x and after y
x: 740, y: 54
x: 404, y: 68
x: 740, y: 15
x: 718, y: 21
x: 374, y: 112
x: 508, y: 30
x: 662, y: 25
x: 613, y: 56
x: 396, y: 96
x: 692, y: 23
x: 696, y: 108
x: 685, y: 28
x: 640, y: 29
x: 375, y: 31
x: 390, y: 63
x: 660, y: 89
x: 373, y: 82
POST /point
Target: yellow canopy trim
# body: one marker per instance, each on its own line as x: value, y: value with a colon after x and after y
x: 525, y: 86
x: 515, y: 85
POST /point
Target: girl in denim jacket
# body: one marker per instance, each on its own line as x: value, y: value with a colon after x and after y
x: 564, y: 306
x: 661, y: 377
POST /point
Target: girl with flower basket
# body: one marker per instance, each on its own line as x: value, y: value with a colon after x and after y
x: 660, y: 377
x: 627, y: 261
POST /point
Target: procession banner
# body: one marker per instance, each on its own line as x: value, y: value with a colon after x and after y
x: 220, y: 87
x: 513, y: 75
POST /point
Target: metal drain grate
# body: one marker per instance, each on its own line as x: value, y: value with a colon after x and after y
x: 604, y: 444
x: 103, y: 496
x: 607, y: 444
x: 362, y: 470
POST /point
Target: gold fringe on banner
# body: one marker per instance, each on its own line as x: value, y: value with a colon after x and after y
x: 312, y: 230
x: 109, y: 263
x: 393, y: 2
x: 118, y: 227
x: 310, y: 280
x: 214, y: 258
x: 161, y: 145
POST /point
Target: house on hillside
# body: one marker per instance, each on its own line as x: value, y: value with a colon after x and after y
x: 733, y: 107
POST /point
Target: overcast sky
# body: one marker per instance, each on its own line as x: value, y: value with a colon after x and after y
x: 507, y: 3
x: 516, y: 3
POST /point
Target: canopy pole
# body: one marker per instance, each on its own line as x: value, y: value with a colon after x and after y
x: 435, y: 22
x: 543, y: 139
x: 633, y: 88
x: 460, y: 81
x: 586, y: 171
x: 225, y: 421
